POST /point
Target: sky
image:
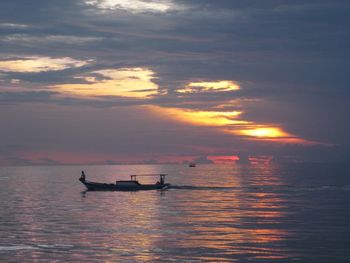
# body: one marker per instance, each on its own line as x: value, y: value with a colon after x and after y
x: 174, y: 81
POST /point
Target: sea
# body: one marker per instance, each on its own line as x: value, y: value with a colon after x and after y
x: 211, y: 213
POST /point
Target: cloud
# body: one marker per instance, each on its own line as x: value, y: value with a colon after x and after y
x: 289, y: 59
x: 13, y: 26
x: 39, y: 64
x: 210, y: 86
x: 12, y: 97
x: 264, y: 132
x: 261, y: 132
x: 134, y: 6
x: 202, y: 118
x: 65, y: 40
x: 124, y: 82
x: 231, y: 123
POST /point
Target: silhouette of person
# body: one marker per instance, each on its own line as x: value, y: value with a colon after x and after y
x: 82, y: 177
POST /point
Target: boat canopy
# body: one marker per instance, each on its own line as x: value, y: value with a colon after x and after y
x: 134, y: 176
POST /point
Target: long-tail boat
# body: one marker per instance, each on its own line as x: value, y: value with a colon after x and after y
x: 125, y: 185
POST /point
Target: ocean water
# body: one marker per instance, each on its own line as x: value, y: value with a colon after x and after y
x: 212, y: 213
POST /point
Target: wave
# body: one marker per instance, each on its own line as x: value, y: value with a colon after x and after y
x: 33, y: 247
x: 193, y: 187
x: 16, y: 247
x: 263, y: 188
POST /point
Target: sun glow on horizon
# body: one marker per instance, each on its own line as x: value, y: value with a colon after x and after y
x: 270, y: 134
x: 223, y: 159
x: 229, y: 122
x: 138, y: 83
x: 265, y: 132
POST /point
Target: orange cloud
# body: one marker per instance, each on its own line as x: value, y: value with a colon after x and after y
x: 39, y: 64
x: 230, y: 122
x: 138, y: 83
x: 213, y: 86
x: 201, y: 118
x: 264, y: 132
x: 124, y: 82
x: 260, y: 132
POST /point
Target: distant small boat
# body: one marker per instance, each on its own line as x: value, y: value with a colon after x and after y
x: 192, y: 165
x: 126, y: 185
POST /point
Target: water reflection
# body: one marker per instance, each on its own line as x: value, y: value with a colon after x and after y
x: 238, y: 223
x: 229, y: 213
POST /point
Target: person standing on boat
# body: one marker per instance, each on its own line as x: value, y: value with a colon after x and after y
x: 82, y: 177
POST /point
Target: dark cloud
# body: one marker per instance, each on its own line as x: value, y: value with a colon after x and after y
x: 290, y: 57
x: 26, y: 97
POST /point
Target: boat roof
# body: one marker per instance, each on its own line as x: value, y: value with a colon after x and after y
x: 148, y: 175
x: 134, y: 176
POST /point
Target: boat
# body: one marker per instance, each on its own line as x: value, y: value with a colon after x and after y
x: 192, y: 164
x: 125, y: 185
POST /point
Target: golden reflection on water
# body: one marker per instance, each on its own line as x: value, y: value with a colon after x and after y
x: 233, y: 222
x: 226, y: 213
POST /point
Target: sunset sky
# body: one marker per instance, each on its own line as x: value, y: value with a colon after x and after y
x: 173, y: 81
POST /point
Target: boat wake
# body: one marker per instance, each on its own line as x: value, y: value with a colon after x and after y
x: 192, y: 187
x: 262, y: 188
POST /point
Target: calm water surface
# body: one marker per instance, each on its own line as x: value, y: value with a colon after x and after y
x: 213, y: 213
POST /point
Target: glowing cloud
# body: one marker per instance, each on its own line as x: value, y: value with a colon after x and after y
x: 214, y: 86
x: 265, y: 132
x: 124, y: 82
x: 269, y: 133
x: 134, y: 6
x: 230, y: 122
x: 39, y: 64
x: 201, y: 118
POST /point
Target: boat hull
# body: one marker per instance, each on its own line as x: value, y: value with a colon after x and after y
x: 92, y: 186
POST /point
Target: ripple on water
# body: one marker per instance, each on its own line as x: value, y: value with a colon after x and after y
x: 212, y: 213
